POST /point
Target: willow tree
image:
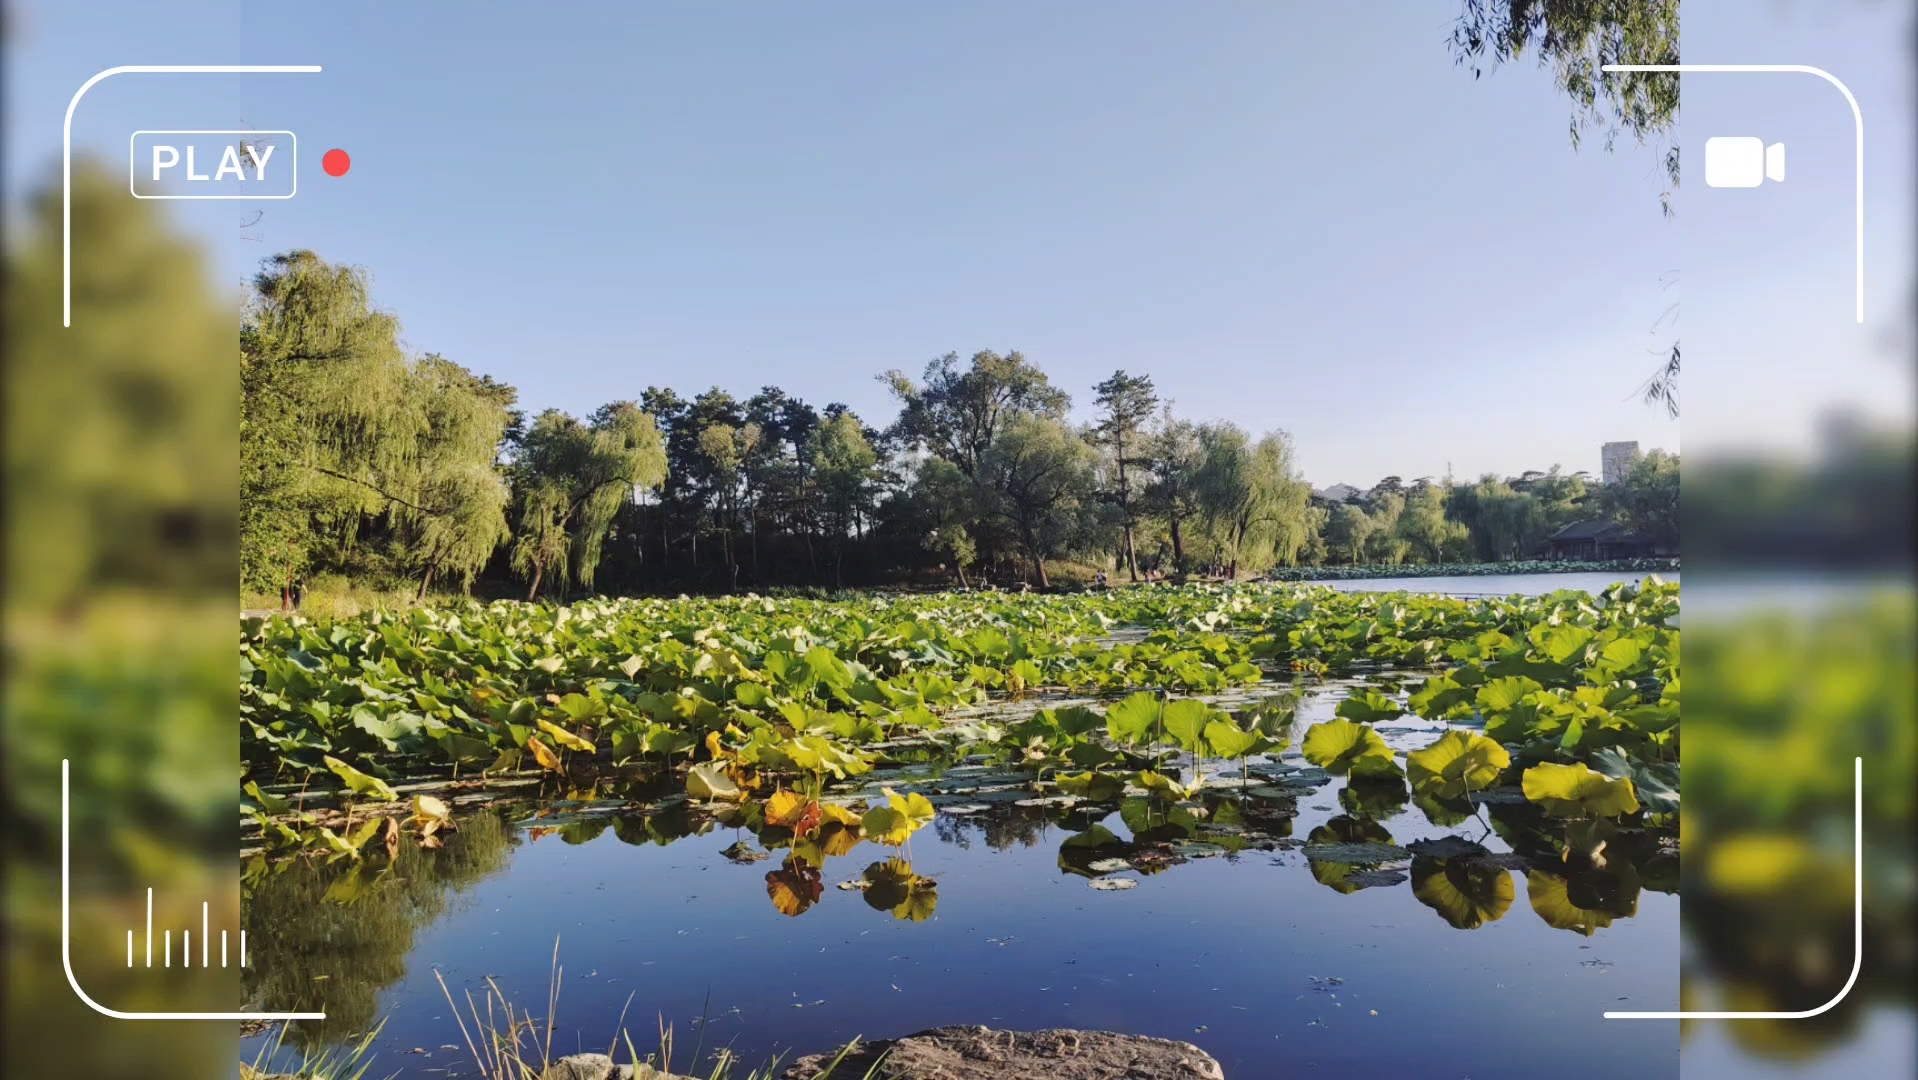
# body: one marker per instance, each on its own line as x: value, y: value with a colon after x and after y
x: 1250, y: 497
x: 339, y: 429
x: 456, y: 516
x: 1175, y: 456
x: 1577, y: 39
x: 569, y: 481
x: 1422, y: 523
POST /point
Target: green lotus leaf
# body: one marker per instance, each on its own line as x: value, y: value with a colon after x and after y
x: 894, y: 823
x: 1576, y: 791
x: 1161, y: 785
x: 1024, y: 675
x: 1076, y: 720
x: 1440, y: 698
x: 1654, y: 783
x: 565, y: 738
x: 272, y: 804
x: 581, y: 708
x: 708, y: 780
x: 358, y: 782
x: 1091, y: 755
x: 1185, y: 721
x: 1243, y: 672
x: 1369, y: 707
x: 1562, y: 643
x: 1133, y: 720
x: 666, y: 741
x: 1606, y: 696
x: 1227, y: 740
x: 1457, y: 763
x: 1499, y: 695
x: 1653, y: 719
x: 1621, y: 655
x: 1543, y: 672
x: 1341, y: 746
x: 458, y: 747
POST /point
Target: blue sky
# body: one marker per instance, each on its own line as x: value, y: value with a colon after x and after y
x: 1300, y: 217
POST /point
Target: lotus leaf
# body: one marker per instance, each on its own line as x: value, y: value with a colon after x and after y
x: 1341, y: 746
x: 791, y: 810
x: 358, y: 782
x: 565, y: 738
x: 1457, y: 763
x: 1161, y: 785
x: 1227, y: 740
x: 708, y: 780
x: 544, y: 755
x: 272, y: 804
x: 1076, y: 720
x: 1499, y: 695
x: 1185, y: 721
x: 1133, y: 720
x: 894, y: 823
x: 581, y: 708
x: 1576, y: 791
x: 1441, y: 697
x: 1024, y: 675
x: 1655, y: 784
x: 1369, y: 707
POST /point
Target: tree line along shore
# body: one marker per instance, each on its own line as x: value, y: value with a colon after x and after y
x: 363, y: 466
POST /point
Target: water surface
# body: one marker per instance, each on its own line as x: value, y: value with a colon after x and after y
x: 1497, y: 584
x: 1275, y: 964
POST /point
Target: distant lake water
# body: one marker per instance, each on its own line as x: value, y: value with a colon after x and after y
x: 1495, y: 584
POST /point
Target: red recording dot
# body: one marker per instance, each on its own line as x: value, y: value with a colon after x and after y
x: 336, y: 163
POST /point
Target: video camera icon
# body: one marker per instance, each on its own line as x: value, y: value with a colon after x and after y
x: 1743, y: 161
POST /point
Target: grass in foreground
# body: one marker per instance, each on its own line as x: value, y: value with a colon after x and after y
x: 331, y: 1064
x: 510, y: 1043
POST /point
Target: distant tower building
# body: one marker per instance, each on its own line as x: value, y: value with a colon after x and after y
x: 1615, y: 460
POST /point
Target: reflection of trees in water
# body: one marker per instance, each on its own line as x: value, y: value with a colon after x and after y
x: 306, y: 951
x: 1000, y: 828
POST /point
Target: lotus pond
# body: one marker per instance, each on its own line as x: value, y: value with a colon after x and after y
x: 1308, y: 830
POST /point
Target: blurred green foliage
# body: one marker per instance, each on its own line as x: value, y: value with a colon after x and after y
x: 1778, y: 705
x: 121, y: 519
